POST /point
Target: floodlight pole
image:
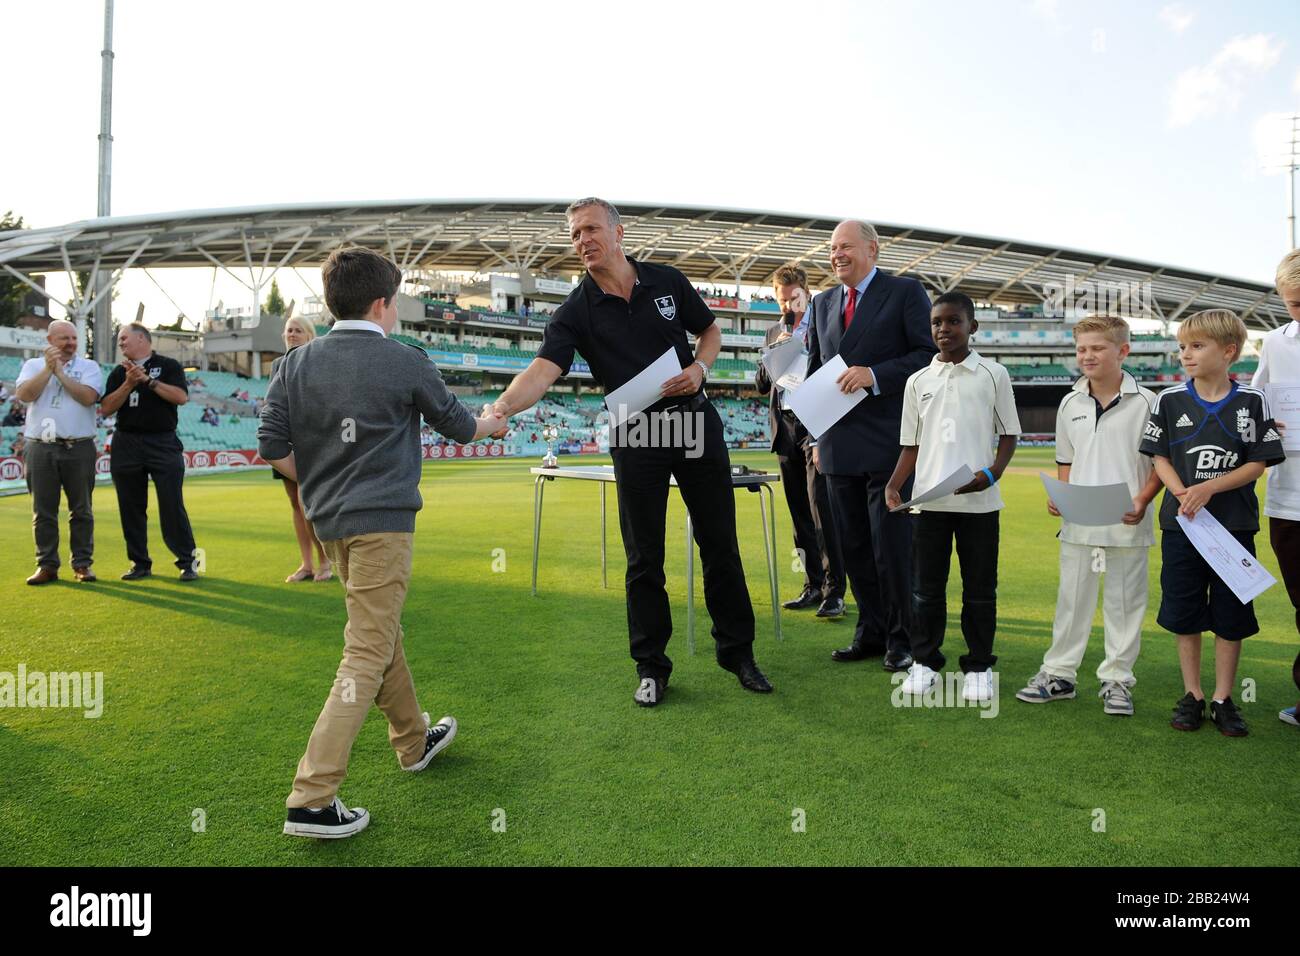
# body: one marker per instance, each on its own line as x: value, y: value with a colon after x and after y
x: 104, y: 344
x: 1292, y: 161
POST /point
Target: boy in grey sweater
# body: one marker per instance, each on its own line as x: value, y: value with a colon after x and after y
x: 342, y: 418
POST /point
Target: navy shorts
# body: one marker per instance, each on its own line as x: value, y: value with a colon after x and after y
x: 1193, y: 599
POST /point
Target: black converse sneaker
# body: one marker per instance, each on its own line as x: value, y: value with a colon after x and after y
x: 329, y: 823
x: 650, y: 691
x: 436, y: 738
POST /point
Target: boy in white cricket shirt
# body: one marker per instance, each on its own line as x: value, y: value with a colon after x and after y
x: 952, y: 411
x: 1099, y: 427
x: 1279, y: 363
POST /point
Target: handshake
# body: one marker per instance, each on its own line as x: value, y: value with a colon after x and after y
x: 491, y: 422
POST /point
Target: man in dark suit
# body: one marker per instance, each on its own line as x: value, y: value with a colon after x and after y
x: 880, y: 325
x: 805, y: 487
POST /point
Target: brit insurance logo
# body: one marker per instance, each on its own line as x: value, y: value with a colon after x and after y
x: 667, y: 307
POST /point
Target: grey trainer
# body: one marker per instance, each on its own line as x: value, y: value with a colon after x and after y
x: 1044, y: 687
x: 1116, y: 699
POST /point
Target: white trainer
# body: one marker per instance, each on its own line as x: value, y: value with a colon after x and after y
x: 919, y: 680
x: 978, y: 686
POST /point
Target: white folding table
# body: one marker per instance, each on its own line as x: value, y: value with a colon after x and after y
x: 604, y: 474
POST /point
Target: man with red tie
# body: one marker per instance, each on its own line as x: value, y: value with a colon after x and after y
x: 880, y: 325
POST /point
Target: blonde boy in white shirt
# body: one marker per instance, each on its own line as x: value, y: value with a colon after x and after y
x: 1279, y: 363
x: 1099, y: 427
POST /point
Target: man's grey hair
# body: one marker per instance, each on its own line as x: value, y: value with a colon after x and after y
x: 56, y: 324
x: 139, y: 329
x: 610, y: 211
x: 868, y: 231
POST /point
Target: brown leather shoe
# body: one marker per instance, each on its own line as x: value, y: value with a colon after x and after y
x: 44, y: 575
x: 84, y: 574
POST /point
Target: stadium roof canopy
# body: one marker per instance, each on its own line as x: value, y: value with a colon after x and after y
x: 713, y: 246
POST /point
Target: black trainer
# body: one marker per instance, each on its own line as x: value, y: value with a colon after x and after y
x: 189, y: 574
x: 436, y: 738
x: 1228, y: 718
x: 329, y: 823
x: 136, y: 574
x: 1189, y: 713
x: 650, y: 691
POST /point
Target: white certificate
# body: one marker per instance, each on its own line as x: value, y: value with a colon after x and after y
x: 1089, y: 505
x: 643, y: 390
x: 1284, y: 403
x: 962, y: 476
x: 819, y: 403
x: 794, y: 375
x: 1234, y: 565
x: 779, y: 357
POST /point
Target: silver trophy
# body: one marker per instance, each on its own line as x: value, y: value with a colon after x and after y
x: 550, y: 433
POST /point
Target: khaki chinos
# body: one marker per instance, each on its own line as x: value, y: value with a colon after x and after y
x: 375, y: 570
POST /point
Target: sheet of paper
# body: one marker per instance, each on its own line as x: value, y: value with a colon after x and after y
x: 1234, y: 565
x: 642, y: 390
x: 794, y: 374
x: 1284, y: 402
x: 1088, y: 505
x: 778, y: 358
x: 819, y: 403
x: 962, y: 476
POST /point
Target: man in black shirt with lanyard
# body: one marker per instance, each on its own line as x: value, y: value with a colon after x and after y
x: 144, y: 392
x: 622, y: 317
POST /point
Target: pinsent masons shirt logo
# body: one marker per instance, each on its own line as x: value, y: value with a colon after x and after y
x: 667, y: 307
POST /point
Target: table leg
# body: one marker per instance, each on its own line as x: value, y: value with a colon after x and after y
x: 538, y: 493
x: 690, y: 587
x: 604, y: 580
x: 769, y: 551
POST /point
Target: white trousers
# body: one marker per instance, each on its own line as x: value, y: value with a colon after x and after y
x: 1124, y: 604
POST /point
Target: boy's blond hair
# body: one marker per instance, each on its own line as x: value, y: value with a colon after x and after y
x: 1112, y: 326
x: 1217, y: 325
x: 1288, y: 271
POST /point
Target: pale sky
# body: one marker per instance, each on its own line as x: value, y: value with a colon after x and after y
x: 1130, y: 128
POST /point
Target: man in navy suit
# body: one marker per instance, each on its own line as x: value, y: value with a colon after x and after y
x: 880, y: 325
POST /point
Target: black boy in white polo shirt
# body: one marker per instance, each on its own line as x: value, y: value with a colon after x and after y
x: 952, y: 410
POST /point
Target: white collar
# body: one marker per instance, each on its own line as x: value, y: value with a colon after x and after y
x: 358, y: 325
x: 1292, y: 329
x: 1127, y: 384
x: 971, y: 363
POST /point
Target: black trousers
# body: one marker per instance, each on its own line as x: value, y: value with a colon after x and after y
x: 810, y: 512
x: 705, y: 483
x: 1284, y: 535
x: 977, y: 556
x: 53, y: 470
x: 136, y: 458
x: 877, y: 549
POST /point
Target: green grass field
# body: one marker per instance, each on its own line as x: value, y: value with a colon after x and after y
x: 211, y: 689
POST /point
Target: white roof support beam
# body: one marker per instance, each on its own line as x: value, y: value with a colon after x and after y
x: 1182, y: 306
x: 1032, y: 267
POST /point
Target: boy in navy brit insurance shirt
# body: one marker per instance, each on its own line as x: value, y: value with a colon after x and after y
x: 1211, y: 440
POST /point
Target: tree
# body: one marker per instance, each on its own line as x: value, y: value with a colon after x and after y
x: 11, y: 290
x: 274, y: 302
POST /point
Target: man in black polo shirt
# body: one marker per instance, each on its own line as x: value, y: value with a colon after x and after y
x: 622, y: 317
x: 144, y: 392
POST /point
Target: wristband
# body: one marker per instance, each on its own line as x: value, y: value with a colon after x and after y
x: 992, y: 481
